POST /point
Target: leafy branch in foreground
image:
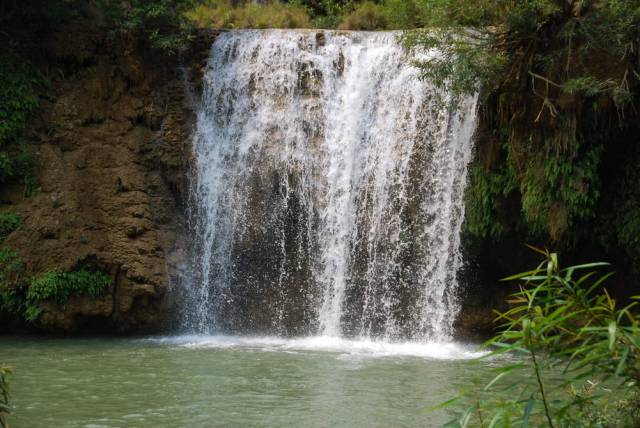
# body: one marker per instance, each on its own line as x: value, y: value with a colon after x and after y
x: 578, y: 354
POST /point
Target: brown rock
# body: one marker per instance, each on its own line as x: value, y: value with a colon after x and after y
x: 111, y: 184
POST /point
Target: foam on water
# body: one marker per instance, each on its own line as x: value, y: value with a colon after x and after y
x: 326, y: 344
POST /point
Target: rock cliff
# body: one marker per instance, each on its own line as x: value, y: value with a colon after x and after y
x: 113, y: 147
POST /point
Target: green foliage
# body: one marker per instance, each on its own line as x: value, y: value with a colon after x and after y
x: 526, y: 18
x: 18, y: 96
x: 20, y: 84
x: 470, y: 59
x: 223, y: 14
x: 402, y: 14
x: 504, y: 28
x: 485, y: 192
x: 367, y: 16
x: 161, y: 22
x: 11, y: 268
x: 12, y: 285
x: 325, y: 13
x: 8, y: 223
x: 563, y: 321
x: 561, y: 77
x: 5, y: 406
x: 18, y: 164
x: 462, y: 61
x: 22, y: 296
x: 344, y: 14
x: 558, y: 190
x: 456, y: 29
x: 59, y: 286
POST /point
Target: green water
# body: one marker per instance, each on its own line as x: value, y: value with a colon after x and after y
x: 211, y: 382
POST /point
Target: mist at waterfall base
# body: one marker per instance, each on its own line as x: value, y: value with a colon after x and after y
x: 328, y: 194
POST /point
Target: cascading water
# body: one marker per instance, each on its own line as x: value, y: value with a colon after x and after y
x: 328, y: 195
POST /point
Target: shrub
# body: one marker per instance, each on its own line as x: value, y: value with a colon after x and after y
x: 402, y: 14
x: 22, y: 296
x: 223, y: 14
x: 18, y: 96
x: 563, y: 320
x: 59, y: 286
x: 8, y: 223
x: 486, y: 191
x: 11, y: 268
x: 20, y: 84
x: 12, y: 284
x: 161, y: 22
x: 326, y: 13
x: 367, y: 16
x: 18, y: 164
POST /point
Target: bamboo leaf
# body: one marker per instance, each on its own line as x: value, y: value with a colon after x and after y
x: 623, y: 359
x: 527, y: 411
x: 445, y: 403
x: 589, y: 265
x: 464, y: 422
x: 496, y: 418
x: 612, y: 334
x: 600, y: 281
x: 453, y: 423
x: 520, y: 275
x: 503, y: 372
x: 538, y: 250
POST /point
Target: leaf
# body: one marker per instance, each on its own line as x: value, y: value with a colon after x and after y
x: 464, y: 421
x: 612, y: 334
x: 537, y: 250
x: 582, y: 278
x: 526, y: 329
x: 503, y: 372
x: 527, y: 411
x: 623, y: 359
x: 453, y: 423
x: 496, y: 418
x: 569, y: 275
x: 599, y: 281
x: 554, y: 262
x: 534, y: 278
x: 520, y: 275
x: 588, y: 265
x: 445, y: 403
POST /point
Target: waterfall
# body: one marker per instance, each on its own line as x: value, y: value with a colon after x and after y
x: 328, y: 189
